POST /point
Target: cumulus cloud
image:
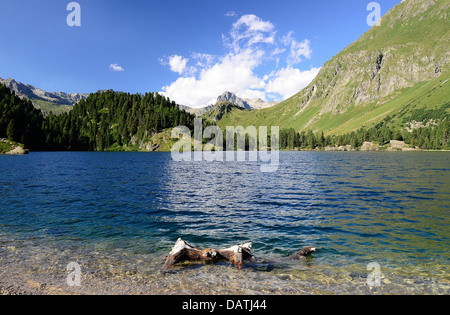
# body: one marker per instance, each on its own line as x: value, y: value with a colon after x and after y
x: 178, y: 64
x: 289, y: 81
x: 116, y: 68
x: 251, y: 42
x: 232, y: 73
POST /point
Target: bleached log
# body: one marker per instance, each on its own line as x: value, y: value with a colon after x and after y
x: 183, y: 251
x: 237, y: 254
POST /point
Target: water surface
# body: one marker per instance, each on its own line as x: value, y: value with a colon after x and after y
x: 119, y: 214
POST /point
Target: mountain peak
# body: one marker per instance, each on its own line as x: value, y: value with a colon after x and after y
x: 247, y: 103
x: 228, y: 96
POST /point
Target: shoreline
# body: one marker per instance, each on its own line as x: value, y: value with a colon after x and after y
x: 217, y: 280
x: 281, y: 150
x: 42, y: 270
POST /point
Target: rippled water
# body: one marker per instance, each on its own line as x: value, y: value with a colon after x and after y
x: 119, y: 214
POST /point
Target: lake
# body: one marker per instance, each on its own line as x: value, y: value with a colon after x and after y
x: 118, y: 214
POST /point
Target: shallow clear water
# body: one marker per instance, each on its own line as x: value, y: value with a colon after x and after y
x: 119, y: 214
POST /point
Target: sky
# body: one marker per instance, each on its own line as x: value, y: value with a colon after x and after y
x: 191, y: 50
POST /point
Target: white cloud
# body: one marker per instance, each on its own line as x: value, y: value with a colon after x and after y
x: 247, y: 31
x: 232, y: 73
x: 178, y: 63
x: 277, y: 51
x: 204, y: 60
x: 251, y: 43
x: 253, y: 23
x: 297, y: 49
x: 116, y: 68
x: 230, y: 14
x: 289, y: 81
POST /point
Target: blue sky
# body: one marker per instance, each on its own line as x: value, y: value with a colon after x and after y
x: 192, y: 51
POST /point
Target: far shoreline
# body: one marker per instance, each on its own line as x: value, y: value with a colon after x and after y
x: 282, y: 150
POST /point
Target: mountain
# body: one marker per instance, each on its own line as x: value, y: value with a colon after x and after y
x: 46, y: 101
x: 229, y: 102
x: 221, y: 109
x: 214, y: 111
x: 258, y: 103
x: 233, y: 99
x: 196, y: 111
x: 394, y: 70
x: 249, y: 104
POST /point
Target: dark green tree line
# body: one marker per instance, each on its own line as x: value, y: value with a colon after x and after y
x: 104, y: 120
x: 432, y: 137
x: 19, y: 120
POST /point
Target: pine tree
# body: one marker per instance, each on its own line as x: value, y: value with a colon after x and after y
x: 11, y: 130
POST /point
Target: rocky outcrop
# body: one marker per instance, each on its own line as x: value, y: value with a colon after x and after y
x: 370, y: 146
x: 395, y: 145
x: 11, y: 148
x: 17, y: 151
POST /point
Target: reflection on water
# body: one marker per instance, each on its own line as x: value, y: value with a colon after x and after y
x: 119, y: 214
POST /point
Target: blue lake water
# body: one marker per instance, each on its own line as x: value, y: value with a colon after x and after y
x: 119, y: 214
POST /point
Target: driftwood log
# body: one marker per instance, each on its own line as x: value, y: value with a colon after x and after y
x: 183, y: 251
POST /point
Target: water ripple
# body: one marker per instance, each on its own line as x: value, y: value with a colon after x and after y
x: 355, y: 207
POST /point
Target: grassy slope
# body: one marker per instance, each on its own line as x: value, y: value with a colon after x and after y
x: 47, y: 107
x: 426, y: 95
x: 159, y: 142
x: 405, y: 30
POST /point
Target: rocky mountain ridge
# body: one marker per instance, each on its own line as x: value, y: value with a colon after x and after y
x: 232, y: 99
x: 33, y: 93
